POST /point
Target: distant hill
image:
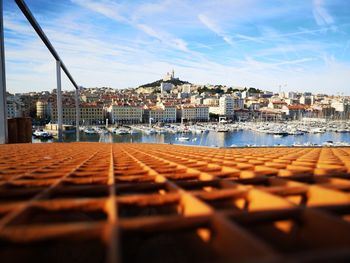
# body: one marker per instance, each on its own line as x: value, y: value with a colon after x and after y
x: 175, y: 82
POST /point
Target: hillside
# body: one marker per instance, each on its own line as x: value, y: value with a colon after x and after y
x: 175, y: 82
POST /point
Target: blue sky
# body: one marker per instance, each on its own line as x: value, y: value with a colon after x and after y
x: 298, y: 45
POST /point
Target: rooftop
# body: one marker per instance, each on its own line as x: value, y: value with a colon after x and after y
x: 94, y: 202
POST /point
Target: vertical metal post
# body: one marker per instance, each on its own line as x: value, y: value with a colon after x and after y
x: 3, y: 105
x: 59, y: 102
x: 77, y: 116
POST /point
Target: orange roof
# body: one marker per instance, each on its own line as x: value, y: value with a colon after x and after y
x: 297, y: 107
x: 279, y: 102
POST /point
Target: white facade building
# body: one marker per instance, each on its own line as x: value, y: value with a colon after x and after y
x: 169, y: 76
x: 89, y: 114
x: 245, y: 94
x: 196, y: 99
x: 292, y: 95
x: 125, y: 113
x: 238, y: 103
x: 211, y: 101
x: 186, y: 88
x: 42, y: 109
x: 214, y: 110
x: 338, y: 105
x: 169, y: 113
x: 306, y: 100
x: 195, y: 112
x: 162, y: 113
x: 226, y: 106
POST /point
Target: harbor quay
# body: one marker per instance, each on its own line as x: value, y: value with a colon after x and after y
x: 216, y: 134
x: 160, y: 106
x: 93, y: 202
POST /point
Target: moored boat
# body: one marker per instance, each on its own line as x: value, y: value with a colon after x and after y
x: 41, y: 134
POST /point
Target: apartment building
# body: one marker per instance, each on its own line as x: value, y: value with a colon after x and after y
x: 125, y: 113
x: 14, y: 107
x: 226, y: 105
x: 195, y: 112
x: 89, y: 114
x: 42, y: 109
x: 160, y: 113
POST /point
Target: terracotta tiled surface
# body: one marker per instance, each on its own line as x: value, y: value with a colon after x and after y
x: 92, y: 202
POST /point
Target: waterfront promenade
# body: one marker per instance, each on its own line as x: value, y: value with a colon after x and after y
x: 93, y: 202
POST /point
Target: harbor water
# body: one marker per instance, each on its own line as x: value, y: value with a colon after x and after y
x: 239, y: 138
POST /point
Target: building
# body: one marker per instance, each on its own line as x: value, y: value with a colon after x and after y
x: 342, y: 108
x: 169, y: 76
x: 292, y: 95
x: 169, y: 113
x: 226, y: 106
x: 166, y: 87
x: 195, y: 112
x: 90, y: 98
x: 212, y: 101
x: 276, y: 104
x: 266, y: 94
x: 297, y: 111
x: 14, y: 107
x: 11, y: 109
x: 238, y: 103
x: 246, y: 114
x: 159, y: 113
x: 186, y: 88
x: 292, y: 101
x: 254, y: 105
x: 269, y: 114
x: 237, y: 94
x: 283, y: 95
x: 89, y: 114
x: 42, y: 109
x: 125, y: 114
x: 307, y: 100
x: 182, y: 95
x: 214, y: 110
x: 339, y: 105
x: 196, y: 99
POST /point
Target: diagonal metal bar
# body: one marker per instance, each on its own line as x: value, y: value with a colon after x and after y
x: 28, y: 14
x: 59, y: 102
x: 59, y: 64
x: 77, y: 114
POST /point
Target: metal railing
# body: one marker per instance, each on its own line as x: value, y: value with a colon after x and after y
x: 59, y: 65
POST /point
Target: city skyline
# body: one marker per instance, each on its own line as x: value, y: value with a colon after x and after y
x: 295, y: 45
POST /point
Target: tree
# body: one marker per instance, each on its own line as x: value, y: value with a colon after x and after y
x: 254, y: 90
x: 213, y: 116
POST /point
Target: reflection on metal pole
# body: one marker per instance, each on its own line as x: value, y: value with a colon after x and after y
x: 3, y: 105
x: 59, y: 102
x: 77, y: 116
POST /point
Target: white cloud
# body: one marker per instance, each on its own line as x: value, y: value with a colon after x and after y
x: 215, y: 28
x: 249, y: 38
x: 107, y: 8
x: 137, y: 43
x: 321, y: 15
x: 164, y: 37
x: 113, y: 11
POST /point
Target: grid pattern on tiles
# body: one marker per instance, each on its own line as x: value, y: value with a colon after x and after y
x: 91, y: 202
